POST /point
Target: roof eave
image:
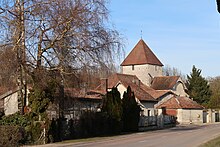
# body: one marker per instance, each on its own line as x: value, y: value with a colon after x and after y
x: 140, y: 64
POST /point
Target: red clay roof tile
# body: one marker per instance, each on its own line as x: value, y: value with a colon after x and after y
x: 81, y: 94
x: 128, y: 80
x: 141, y: 54
x: 164, y: 82
x: 180, y: 103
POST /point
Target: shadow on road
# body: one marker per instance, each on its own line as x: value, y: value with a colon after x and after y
x: 186, y: 128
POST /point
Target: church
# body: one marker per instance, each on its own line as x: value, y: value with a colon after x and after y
x: 143, y: 72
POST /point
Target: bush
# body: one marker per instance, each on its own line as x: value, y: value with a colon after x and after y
x: 11, y: 136
x: 15, y: 119
x: 97, y: 124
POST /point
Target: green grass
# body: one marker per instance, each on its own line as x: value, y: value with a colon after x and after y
x: 212, y: 143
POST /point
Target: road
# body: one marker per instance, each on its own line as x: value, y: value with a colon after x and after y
x: 180, y: 136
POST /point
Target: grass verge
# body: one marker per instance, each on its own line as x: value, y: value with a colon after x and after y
x: 212, y: 143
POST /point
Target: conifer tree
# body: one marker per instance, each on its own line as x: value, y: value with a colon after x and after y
x: 198, y: 87
x: 131, y: 111
x: 112, y: 107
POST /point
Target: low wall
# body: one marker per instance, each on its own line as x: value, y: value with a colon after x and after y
x: 156, y: 122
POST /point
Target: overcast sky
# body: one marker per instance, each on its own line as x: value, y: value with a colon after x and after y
x: 182, y: 33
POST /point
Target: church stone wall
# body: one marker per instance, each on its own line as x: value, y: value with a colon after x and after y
x: 143, y: 71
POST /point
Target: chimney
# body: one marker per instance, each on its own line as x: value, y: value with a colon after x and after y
x: 104, y: 84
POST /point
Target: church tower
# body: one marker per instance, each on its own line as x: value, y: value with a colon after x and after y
x: 143, y: 63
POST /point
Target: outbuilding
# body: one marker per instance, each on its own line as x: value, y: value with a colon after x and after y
x: 184, y: 109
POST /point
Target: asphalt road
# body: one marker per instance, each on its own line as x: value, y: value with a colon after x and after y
x: 180, y: 136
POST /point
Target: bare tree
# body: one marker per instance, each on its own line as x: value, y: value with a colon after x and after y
x: 8, y: 67
x: 58, y: 34
x: 214, y: 84
x: 172, y: 71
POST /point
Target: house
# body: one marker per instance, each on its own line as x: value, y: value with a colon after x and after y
x: 74, y: 103
x: 122, y: 81
x: 185, y: 109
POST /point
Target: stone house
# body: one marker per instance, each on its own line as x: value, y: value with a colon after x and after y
x: 74, y: 103
x: 122, y: 81
x: 185, y: 109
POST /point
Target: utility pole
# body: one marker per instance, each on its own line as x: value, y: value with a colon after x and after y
x: 21, y: 55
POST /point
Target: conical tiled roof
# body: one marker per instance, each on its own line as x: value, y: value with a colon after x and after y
x: 141, y: 54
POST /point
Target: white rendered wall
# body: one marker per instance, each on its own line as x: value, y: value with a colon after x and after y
x: 143, y: 71
x: 11, y: 104
x: 121, y: 89
x: 179, y: 89
x: 149, y: 106
x: 187, y: 116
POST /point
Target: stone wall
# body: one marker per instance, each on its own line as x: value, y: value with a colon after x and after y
x: 188, y: 116
x: 179, y: 89
x: 143, y: 71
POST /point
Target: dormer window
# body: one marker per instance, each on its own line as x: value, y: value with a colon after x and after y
x: 132, y: 67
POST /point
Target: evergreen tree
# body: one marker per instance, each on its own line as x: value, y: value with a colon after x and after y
x: 131, y: 111
x: 112, y: 107
x: 198, y: 87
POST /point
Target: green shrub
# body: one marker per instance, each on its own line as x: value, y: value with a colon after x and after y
x: 11, y: 136
x: 15, y: 119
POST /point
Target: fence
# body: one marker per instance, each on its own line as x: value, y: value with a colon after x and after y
x: 159, y: 121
